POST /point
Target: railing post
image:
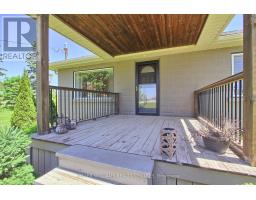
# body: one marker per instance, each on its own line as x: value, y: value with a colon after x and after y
x: 249, y: 115
x: 117, y: 102
x: 196, y: 106
x: 42, y: 74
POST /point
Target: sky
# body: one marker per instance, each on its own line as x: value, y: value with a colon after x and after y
x: 57, y: 42
x: 56, y: 52
x: 236, y: 24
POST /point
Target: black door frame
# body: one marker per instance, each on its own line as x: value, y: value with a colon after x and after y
x: 156, y: 64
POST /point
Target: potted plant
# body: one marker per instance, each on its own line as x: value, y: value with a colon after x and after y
x: 219, y: 140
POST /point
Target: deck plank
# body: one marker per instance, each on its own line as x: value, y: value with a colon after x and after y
x: 143, y: 145
x: 111, y: 131
x: 87, y: 131
x: 120, y: 132
x: 137, y: 140
x: 72, y: 134
x: 95, y: 132
x: 117, y: 135
x: 135, y: 134
x: 141, y: 135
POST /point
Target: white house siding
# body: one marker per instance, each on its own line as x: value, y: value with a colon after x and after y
x: 180, y: 76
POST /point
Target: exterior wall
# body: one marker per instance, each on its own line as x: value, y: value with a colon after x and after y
x: 124, y: 83
x: 180, y: 76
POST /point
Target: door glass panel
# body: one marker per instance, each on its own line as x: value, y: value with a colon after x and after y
x: 147, y: 75
x: 147, y: 98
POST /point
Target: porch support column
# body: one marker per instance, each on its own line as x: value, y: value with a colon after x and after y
x: 249, y: 115
x: 42, y: 74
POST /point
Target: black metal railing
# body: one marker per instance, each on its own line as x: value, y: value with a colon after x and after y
x: 222, y: 101
x: 80, y: 105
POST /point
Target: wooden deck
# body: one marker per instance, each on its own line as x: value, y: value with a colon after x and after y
x: 140, y: 135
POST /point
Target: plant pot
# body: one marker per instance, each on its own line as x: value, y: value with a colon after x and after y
x: 215, y: 144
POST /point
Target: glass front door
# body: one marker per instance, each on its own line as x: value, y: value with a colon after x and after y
x: 147, y: 96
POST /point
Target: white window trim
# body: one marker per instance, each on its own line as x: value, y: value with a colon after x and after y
x: 233, y: 58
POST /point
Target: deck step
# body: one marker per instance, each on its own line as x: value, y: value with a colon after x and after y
x: 59, y: 176
x: 118, y: 167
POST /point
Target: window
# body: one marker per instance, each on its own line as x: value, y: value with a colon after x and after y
x: 98, y: 79
x: 237, y: 67
x: 237, y: 63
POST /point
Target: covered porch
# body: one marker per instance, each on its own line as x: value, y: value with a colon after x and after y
x: 101, y: 125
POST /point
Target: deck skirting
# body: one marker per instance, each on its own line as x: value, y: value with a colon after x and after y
x: 173, y: 174
x: 42, y: 156
x: 44, y: 160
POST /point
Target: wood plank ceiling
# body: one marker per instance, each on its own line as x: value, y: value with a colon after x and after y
x: 122, y: 34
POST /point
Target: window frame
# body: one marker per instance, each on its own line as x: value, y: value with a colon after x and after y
x: 233, y: 61
x: 92, y: 69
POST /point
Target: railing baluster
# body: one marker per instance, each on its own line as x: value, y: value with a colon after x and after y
x: 72, y: 104
x: 225, y: 99
x: 212, y: 105
x: 236, y: 107
x: 80, y: 104
x: 240, y: 110
x: 232, y: 102
x: 51, y: 111
x: 94, y: 105
x: 76, y: 105
x: 88, y: 109
x: 221, y: 101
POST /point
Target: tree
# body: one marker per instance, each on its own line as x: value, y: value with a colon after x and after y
x: 9, y: 92
x: 2, y: 73
x: 96, y: 79
x: 53, y: 114
x: 2, y: 69
x: 31, y: 70
x: 31, y: 67
x: 24, y: 113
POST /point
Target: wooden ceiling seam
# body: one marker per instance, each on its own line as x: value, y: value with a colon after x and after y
x: 126, y: 34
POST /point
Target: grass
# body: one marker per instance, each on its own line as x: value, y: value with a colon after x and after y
x: 5, y: 117
x: 5, y: 120
x: 148, y: 105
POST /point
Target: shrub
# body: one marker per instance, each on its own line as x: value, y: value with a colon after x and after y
x: 13, y: 167
x: 53, y: 115
x: 31, y: 129
x: 9, y: 92
x: 24, y: 113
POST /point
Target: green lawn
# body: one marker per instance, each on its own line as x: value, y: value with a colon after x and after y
x: 148, y: 105
x: 5, y: 117
x: 5, y: 120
